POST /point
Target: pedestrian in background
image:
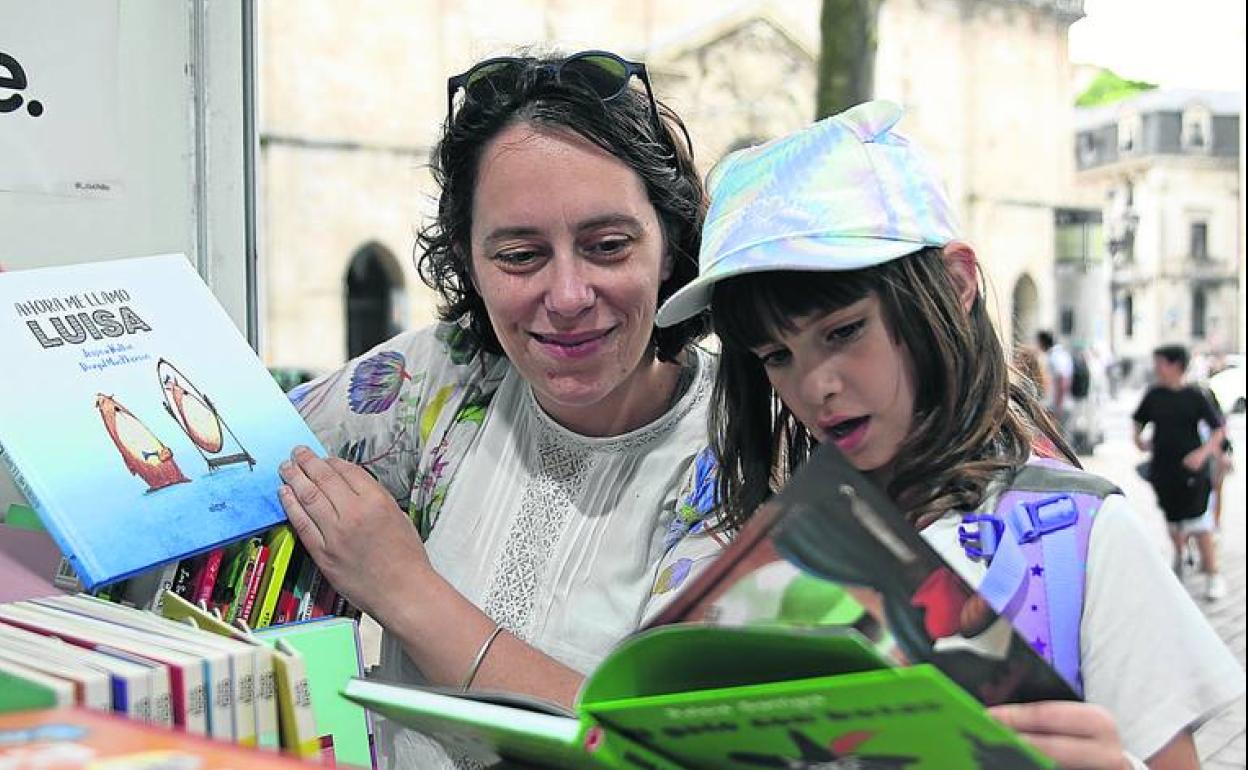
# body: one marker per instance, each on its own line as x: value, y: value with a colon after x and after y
x: 1059, y: 370
x: 1179, y: 467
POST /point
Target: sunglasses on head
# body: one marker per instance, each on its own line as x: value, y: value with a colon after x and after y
x: 600, y: 72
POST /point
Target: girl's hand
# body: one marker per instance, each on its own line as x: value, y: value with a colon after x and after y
x: 1078, y: 736
x: 355, y: 532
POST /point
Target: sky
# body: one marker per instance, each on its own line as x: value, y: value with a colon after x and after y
x: 1193, y: 44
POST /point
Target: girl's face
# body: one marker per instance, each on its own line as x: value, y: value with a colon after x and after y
x: 568, y: 255
x: 843, y: 376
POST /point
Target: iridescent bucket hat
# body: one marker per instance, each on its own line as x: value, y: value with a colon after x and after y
x: 845, y: 193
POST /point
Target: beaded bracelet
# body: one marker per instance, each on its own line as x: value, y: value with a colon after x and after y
x: 476, y: 663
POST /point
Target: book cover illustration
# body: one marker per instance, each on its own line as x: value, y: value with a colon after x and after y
x: 832, y: 550
x: 135, y: 417
x: 698, y: 696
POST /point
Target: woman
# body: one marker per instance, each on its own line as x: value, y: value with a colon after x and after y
x: 541, y: 435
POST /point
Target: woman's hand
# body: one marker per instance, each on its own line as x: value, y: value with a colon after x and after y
x: 353, y: 529
x: 1078, y: 736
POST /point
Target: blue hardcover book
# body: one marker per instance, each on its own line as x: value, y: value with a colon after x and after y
x: 134, y: 416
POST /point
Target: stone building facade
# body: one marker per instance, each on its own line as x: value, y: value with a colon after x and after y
x: 352, y: 96
x: 1166, y: 166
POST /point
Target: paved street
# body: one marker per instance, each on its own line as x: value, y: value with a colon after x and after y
x: 1220, y: 741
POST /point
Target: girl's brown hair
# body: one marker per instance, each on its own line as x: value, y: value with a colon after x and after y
x: 973, y: 415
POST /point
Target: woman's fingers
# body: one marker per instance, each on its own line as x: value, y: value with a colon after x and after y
x: 357, y: 479
x: 308, y: 492
x: 325, y: 477
x: 304, y: 526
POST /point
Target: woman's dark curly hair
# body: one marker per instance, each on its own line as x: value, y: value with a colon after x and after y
x: 622, y: 126
x: 974, y: 416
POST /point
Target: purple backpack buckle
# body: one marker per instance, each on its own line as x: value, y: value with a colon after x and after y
x: 983, y: 541
x: 1040, y: 517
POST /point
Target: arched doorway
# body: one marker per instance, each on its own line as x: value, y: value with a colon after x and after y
x: 1025, y: 309
x: 374, y: 285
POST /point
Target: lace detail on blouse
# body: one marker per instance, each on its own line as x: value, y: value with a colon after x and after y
x: 544, y: 510
x: 549, y: 502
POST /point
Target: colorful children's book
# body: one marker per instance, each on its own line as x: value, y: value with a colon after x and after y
x: 135, y: 418
x: 832, y: 550
x: 281, y: 542
x: 73, y: 738
x: 699, y: 696
x: 829, y: 633
x: 330, y: 648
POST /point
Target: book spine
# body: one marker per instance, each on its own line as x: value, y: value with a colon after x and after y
x: 75, y: 563
x: 232, y: 564
x: 340, y: 605
x: 242, y: 578
x: 307, y: 602
x: 253, y: 583
x: 323, y: 602
x: 207, y: 578
x: 167, y: 580
x: 287, y: 606
x: 281, y: 552
x: 186, y: 570
x: 296, y: 719
x: 266, y: 699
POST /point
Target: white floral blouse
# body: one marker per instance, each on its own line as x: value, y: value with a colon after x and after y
x: 557, y: 536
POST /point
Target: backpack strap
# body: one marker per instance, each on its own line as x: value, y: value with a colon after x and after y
x: 1036, y: 543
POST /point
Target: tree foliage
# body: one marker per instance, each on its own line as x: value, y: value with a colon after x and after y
x: 1107, y: 87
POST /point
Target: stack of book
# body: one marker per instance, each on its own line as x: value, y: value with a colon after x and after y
x: 189, y: 672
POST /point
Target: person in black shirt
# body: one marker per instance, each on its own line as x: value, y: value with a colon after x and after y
x: 1179, y: 466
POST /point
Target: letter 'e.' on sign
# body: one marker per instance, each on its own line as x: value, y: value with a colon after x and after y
x: 58, y: 97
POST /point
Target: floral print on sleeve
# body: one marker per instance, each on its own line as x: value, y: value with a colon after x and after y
x: 690, y: 542
x: 406, y: 411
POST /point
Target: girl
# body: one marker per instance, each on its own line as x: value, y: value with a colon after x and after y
x: 849, y: 312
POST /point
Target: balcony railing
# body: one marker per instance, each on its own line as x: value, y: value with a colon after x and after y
x: 1069, y: 9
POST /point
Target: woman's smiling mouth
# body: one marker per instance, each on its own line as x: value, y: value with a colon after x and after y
x: 572, y: 344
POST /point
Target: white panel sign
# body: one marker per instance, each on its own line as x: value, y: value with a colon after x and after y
x: 58, y: 97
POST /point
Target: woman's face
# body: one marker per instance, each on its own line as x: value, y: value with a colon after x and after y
x: 847, y: 381
x: 568, y: 255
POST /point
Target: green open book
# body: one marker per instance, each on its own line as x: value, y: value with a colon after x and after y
x: 698, y: 696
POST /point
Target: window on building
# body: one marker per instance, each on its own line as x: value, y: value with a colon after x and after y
x: 1068, y: 321
x: 1129, y: 130
x: 1199, y: 247
x: 1128, y: 314
x: 1197, y: 127
x: 1086, y: 148
x: 1200, y: 309
x: 370, y: 299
